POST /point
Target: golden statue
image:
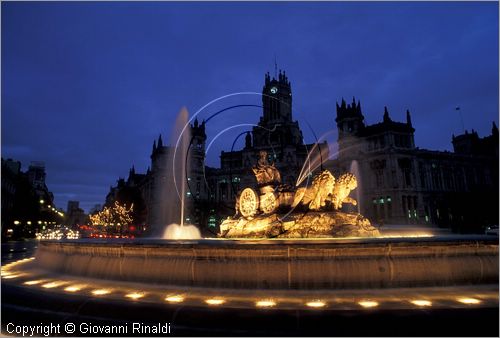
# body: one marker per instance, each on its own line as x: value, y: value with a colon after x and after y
x: 314, y: 197
x: 266, y: 173
x: 325, y: 188
x: 268, y: 210
x: 340, y: 193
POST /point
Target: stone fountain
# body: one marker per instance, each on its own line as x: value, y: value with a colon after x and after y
x: 275, y: 210
x: 286, y: 248
x: 283, y: 238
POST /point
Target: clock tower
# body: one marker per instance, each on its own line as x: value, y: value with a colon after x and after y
x: 276, y: 126
x: 277, y: 99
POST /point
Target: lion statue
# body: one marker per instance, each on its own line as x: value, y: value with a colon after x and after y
x: 326, y: 188
x: 343, y: 187
x: 315, y: 196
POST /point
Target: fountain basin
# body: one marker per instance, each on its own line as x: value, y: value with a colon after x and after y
x: 280, y: 264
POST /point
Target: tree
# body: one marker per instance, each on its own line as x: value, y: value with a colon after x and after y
x: 115, y: 217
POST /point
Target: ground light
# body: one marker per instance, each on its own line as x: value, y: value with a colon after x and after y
x: 265, y: 303
x: 469, y: 301
x: 35, y: 282
x: 101, y: 292
x: 368, y: 303
x: 421, y: 302
x: 74, y: 288
x: 135, y: 295
x: 316, y: 304
x: 52, y: 285
x: 174, y: 299
x: 215, y: 301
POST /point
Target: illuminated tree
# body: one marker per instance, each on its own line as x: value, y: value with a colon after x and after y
x: 118, y: 215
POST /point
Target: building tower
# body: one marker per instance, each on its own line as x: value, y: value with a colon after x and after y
x: 350, y: 123
x: 277, y: 99
x: 196, y: 182
x: 349, y: 118
x: 197, y: 146
x: 276, y: 125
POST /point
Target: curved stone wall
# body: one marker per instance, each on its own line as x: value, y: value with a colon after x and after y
x: 335, y: 264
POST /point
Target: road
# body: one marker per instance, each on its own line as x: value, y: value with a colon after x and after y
x: 15, y: 250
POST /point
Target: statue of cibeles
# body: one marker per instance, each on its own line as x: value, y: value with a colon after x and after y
x: 275, y: 210
x: 266, y: 173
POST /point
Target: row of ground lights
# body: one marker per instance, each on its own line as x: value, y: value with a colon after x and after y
x: 264, y: 303
x: 215, y: 301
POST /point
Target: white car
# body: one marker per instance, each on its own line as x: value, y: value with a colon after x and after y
x: 491, y: 230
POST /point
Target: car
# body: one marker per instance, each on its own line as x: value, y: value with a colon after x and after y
x: 491, y: 230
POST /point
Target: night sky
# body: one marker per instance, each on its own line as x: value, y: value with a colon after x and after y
x: 87, y: 87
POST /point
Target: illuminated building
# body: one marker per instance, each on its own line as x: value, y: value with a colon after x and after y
x: 403, y: 184
x: 399, y: 182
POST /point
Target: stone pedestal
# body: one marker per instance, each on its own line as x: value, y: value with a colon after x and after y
x: 311, y: 224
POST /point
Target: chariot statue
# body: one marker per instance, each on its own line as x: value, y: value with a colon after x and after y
x: 271, y: 192
x: 273, y: 209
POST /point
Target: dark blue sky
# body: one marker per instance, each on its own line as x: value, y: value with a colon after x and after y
x: 87, y: 87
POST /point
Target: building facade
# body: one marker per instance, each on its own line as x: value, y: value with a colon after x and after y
x: 75, y: 215
x: 27, y: 204
x: 403, y: 184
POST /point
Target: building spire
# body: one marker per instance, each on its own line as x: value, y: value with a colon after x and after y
x: 131, y: 173
x: 386, y: 115
x: 275, y: 67
x: 408, y: 117
x: 154, y: 146
x: 494, y: 129
x: 160, y: 142
x: 248, y: 140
